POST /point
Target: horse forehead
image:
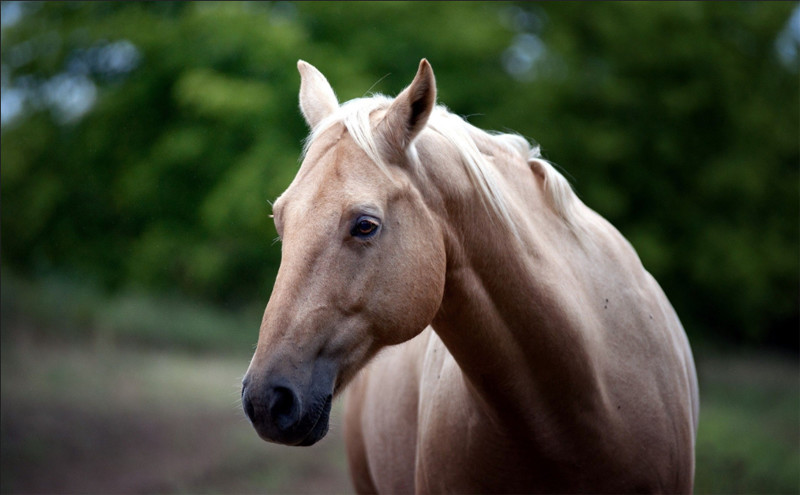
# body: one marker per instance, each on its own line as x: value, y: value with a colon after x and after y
x: 334, y: 170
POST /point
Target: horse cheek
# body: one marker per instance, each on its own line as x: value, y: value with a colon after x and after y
x: 420, y: 288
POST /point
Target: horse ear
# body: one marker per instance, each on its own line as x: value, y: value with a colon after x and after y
x: 317, y: 99
x: 409, y: 112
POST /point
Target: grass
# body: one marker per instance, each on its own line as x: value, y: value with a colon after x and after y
x: 84, y: 419
x: 749, y: 434
x: 65, y: 310
x: 127, y: 393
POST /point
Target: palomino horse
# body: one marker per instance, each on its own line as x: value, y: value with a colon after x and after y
x: 553, y: 362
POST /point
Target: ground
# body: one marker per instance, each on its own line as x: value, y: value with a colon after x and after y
x: 101, y: 419
x: 106, y: 418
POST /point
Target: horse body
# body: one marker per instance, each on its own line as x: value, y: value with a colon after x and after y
x: 559, y: 375
x: 554, y: 362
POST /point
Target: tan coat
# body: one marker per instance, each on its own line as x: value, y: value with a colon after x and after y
x: 553, y: 361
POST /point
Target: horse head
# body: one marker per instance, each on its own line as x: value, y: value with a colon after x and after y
x: 362, y: 261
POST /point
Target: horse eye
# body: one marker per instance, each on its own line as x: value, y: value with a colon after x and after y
x: 365, y: 227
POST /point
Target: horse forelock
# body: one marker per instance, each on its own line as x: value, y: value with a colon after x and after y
x: 360, y: 115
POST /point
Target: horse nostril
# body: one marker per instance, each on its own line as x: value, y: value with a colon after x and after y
x: 282, y: 407
x: 249, y: 410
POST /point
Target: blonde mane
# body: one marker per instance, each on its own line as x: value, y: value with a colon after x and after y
x: 356, y: 116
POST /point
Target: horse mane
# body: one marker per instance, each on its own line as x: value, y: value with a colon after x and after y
x: 467, y: 140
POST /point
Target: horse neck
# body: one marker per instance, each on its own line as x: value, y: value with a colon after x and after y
x: 509, y: 312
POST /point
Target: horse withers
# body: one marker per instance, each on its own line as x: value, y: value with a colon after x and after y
x: 496, y: 333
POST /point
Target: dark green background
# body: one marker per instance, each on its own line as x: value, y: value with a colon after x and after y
x: 142, y: 142
x: 676, y: 121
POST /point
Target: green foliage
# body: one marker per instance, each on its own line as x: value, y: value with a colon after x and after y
x: 678, y: 122
x: 67, y: 311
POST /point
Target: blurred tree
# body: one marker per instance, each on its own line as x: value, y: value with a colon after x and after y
x: 150, y: 136
x: 680, y: 124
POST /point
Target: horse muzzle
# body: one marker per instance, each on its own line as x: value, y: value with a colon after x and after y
x: 283, y: 413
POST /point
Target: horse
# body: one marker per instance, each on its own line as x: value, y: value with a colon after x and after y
x: 493, y: 332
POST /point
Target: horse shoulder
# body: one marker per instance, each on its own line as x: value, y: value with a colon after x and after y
x: 648, y: 370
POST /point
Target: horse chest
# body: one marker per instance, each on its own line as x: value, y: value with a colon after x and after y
x: 459, y: 447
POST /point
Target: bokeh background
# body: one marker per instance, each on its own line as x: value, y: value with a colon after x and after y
x: 142, y: 142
